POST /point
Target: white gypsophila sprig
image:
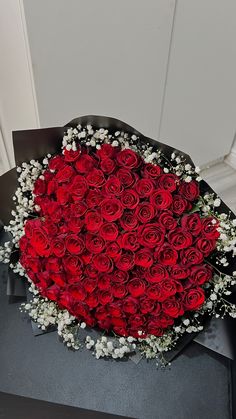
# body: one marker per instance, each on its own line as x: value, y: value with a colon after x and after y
x: 186, y: 171
x: 107, y: 347
x: 48, y: 314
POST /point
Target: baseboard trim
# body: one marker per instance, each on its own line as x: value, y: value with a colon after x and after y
x: 231, y: 159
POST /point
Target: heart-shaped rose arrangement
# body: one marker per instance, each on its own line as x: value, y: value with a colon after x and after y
x: 116, y: 243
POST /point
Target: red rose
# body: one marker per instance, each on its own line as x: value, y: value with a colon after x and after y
x: 85, y: 163
x: 39, y: 187
x: 72, y: 264
x: 113, y: 186
x: 58, y: 247
x: 64, y: 174
x: 104, y: 281
x: 168, y: 255
x: 191, y: 256
x: 80, y: 310
x: 136, y: 322
x: 92, y: 300
x: 154, y: 329
x: 151, y: 235
x: 50, y: 228
x: 94, y: 198
x: 115, y: 309
x: 105, y: 297
x: 147, y: 305
x: 63, y: 195
x: 156, y: 273
x: 113, y: 250
x: 56, y: 163
x: 128, y: 159
x: 136, y: 287
x: 161, y: 199
x: 93, y: 220
x: 194, y: 298
x: 130, y: 305
x: 179, y: 272
x: 52, y: 292
x: 143, y: 258
x: 106, y: 150
x: 90, y: 271
x: 180, y: 239
x: 120, y: 276
x: 129, y: 241
x: 144, y: 187
x: 200, y: 274
x: 167, y: 220
x: 71, y: 155
x: 101, y: 313
x: 192, y: 223
x: 206, y: 246
x: 78, y: 209
x: 179, y: 204
x: 165, y: 320
x: 51, y: 187
x: 58, y: 278
x: 121, y: 331
x: 77, y: 291
x: 119, y: 290
x: 30, y: 263
x: 102, y: 263
x: 162, y: 290
x: 118, y: 322
x: 168, y: 181
x: 125, y: 261
x: 23, y: 244
x: 39, y: 241
x: 108, y: 231
x: 190, y: 190
x: 151, y: 171
x: 95, y: 178
x: 90, y: 284
x: 172, y: 307
x: 78, y: 187
x: 129, y: 199
x: 107, y: 165
x: 75, y: 224
x: 94, y: 243
x: 126, y: 177
x: 128, y: 220
x: 30, y: 225
x: 53, y: 264
x: 111, y: 209
x: 53, y: 210
x: 105, y: 324
x: 42, y: 280
x: 209, y: 228
x: 145, y: 212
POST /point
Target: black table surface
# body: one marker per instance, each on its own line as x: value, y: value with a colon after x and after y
x: 197, y: 385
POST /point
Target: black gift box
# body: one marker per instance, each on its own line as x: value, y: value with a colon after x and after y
x: 198, y: 384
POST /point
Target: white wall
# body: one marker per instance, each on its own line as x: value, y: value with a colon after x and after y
x: 166, y: 67
x: 104, y: 57
x: 200, y: 101
x: 18, y: 107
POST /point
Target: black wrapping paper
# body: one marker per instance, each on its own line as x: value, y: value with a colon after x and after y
x: 37, y: 143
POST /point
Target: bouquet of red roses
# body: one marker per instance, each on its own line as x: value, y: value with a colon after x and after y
x: 118, y: 233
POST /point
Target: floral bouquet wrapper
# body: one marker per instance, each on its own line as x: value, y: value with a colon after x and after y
x: 209, y: 301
